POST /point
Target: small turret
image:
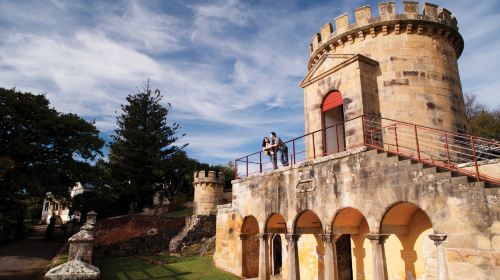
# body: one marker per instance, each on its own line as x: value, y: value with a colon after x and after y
x: 208, y: 190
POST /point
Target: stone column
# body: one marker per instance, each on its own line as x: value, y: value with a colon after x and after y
x: 330, y: 256
x: 441, y: 256
x: 293, y: 257
x: 263, y: 256
x: 378, y: 255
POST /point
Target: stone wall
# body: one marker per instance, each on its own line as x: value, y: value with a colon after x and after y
x: 371, y: 183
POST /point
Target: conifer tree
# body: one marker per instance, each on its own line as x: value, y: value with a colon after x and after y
x: 141, y: 146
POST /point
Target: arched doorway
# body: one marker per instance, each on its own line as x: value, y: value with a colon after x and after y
x: 333, y: 123
x: 408, y: 226
x: 276, y: 226
x: 310, y: 246
x: 349, y: 228
x: 250, y: 247
x: 277, y: 256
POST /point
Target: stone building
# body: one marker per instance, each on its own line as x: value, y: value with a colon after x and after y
x: 59, y: 207
x: 385, y: 184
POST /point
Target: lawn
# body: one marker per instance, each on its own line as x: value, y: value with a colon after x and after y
x: 180, y: 213
x: 160, y: 268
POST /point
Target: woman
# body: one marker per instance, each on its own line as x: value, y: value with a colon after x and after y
x: 269, y: 151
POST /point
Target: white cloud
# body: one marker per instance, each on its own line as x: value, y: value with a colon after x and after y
x: 228, y: 63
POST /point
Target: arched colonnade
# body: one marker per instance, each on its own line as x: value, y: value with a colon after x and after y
x: 344, y: 249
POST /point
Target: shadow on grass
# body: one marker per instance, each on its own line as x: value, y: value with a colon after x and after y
x: 137, y: 268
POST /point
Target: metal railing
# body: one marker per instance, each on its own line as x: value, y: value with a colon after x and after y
x: 453, y: 151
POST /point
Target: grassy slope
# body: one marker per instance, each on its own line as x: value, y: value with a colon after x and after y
x: 164, y: 267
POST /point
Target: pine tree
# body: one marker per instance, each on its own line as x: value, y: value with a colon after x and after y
x: 141, y: 146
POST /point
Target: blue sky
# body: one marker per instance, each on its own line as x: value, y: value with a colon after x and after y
x: 229, y: 68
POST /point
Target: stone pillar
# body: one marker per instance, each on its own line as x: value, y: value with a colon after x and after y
x: 378, y: 255
x: 82, y: 243
x: 330, y: 256
x: 293, y: 257
x: 263, y: 256
x: 441, y: 256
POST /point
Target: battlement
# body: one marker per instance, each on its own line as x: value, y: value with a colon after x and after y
x: 210, y: 176
x: 431, y: 20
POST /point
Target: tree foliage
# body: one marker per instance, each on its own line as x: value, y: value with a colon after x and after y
x: 41, y: 149
x: 141, y: 147
x: 481, y: 120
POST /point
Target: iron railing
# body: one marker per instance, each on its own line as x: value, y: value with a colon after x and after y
x: 453, y: 151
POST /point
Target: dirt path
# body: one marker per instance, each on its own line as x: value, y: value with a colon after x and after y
x: 27, y: 258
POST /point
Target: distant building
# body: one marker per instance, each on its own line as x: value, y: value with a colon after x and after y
x: 59, y: 207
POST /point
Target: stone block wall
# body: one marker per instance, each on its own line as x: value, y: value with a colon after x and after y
x: 372, y: 183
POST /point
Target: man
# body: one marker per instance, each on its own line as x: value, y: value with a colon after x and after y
x: 281, y: 147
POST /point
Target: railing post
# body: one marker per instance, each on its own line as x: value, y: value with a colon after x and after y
x: 447, y: 149
x: 396, y: 137
x: 416, y: 142
x: 475, y: 157
x: 260, y: 161
x: 314, y: 146
x: 337, y: 136
x: 293, y: 147
x: 247, y: 166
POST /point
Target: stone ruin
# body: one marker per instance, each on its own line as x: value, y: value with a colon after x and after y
x: 208, y: 193
x: 80, y: 255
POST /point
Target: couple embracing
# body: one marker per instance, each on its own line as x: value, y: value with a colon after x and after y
x: 272, y: 147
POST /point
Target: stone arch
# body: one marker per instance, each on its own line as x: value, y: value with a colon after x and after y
x: 407, y: 226
x: 250, y: 247
x: 349, y: 227
x: 310, y: 245
x: 276, y: 227
x: 275, y: 223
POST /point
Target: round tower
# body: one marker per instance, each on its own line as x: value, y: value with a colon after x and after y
x: 400, y: 66
x: 208, y: 189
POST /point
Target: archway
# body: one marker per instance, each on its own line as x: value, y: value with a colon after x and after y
x: 277, y: 255
x: 333, y: 123
x: 310, y: 245
x: 250, y: 247
x: 276, y: 226
x: 349, y: 228
x: 408, y: 226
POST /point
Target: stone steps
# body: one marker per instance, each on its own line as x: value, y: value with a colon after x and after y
x: 378, y: 161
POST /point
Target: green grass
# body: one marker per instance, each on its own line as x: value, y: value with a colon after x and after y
x: 59, y: 259
x: 180, y: 213
x: 160, y: 268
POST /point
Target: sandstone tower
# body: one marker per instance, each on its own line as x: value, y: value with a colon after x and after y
x: 390, y: 187
x: 395, y: 66
x: 208, y: 189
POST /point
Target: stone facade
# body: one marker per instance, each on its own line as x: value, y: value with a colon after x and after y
x: 353, y: 193
x: 360, y: 213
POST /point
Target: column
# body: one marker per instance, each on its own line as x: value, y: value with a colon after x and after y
x: 378, y: 255
x: 330, y: 256
x: 243, y: 237
x: 263, y: 256
x: 441, y: 256
x: 293, y: 257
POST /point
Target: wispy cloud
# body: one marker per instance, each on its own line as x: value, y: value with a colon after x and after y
x: 230, y: 68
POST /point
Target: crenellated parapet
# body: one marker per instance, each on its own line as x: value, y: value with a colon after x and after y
x: 210, y: 176
x: 431, y: 20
